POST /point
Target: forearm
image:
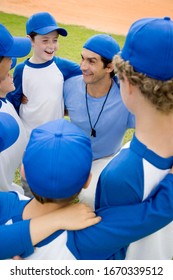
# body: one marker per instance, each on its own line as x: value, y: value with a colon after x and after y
x: 73, y: 217
x: 19, y: 238
x: 43, y: 226
x: 123, y: 225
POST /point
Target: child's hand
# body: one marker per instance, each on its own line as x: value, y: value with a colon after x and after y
x: 77, y: 216
x: 171, y: 170
x: 17, y: 258
x: 24, y: 99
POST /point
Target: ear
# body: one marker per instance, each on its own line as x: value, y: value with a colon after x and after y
x: 110, y: 67
x: 28, y: 36
x: 88, y: 181
x: 32, y: 40
x: 22, y: 170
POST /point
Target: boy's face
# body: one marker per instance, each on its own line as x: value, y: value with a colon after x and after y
x: 45, y: 47
x: 6, y: 85
x: 92, y: 67
x: 5, y: 66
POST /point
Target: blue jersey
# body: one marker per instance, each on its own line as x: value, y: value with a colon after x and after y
x: 113, y: 122
x: 127, y: 180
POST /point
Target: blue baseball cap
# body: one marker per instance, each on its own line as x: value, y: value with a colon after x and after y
x: 149, y: 47
x: 13, y: 46
x: 58, y: 159
x: 9, y: 131
x: 43, y: 23
x: 102, y: 44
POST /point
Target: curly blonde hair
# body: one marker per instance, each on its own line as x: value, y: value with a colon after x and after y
x: 159, y: 93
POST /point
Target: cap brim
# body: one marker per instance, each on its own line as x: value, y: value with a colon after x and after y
x: 14, y: 61
x: 48, y: 29
x: 20, y: 47
x: 9, y: 131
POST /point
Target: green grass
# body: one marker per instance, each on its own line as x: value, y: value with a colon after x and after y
x: 69, y: 47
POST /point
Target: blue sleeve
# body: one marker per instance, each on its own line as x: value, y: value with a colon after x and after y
x: 15, y: 240
x: 122, y: 225
x: 15, y: 96
x: 128, y: 189
x: 67, y: 67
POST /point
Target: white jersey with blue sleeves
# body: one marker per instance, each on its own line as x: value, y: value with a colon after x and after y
x: 11, y: 158
x: 129, y: 178
x: 42, y: 84
x: 43, y: 87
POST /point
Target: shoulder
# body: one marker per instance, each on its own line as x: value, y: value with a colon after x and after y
x: 74, y: 80
x: 115, y: 86
x: 7, y: 202
x: 74, y: 89
x: 74, y: 83
x: 116, y: 80
x: 19, y: 68
x: 64, y: 62
x: 122, y: 179
x: 67, y: 67
x: 20, y: 65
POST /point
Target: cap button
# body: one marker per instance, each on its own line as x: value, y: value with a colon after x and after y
x: 58, y: 134
x: 167, y: 18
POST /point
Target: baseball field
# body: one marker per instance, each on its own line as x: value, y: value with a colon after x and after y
x: 114, y: 16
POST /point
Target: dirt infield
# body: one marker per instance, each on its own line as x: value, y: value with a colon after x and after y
x: 114, y: 16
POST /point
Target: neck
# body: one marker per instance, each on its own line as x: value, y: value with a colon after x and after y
x: 3, y: 95
x: 36, y: 60
x: 154, y: 129
x: 99, y: 89
x: 35, y: 209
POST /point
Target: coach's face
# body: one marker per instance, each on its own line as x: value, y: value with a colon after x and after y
x: 92, y: 67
